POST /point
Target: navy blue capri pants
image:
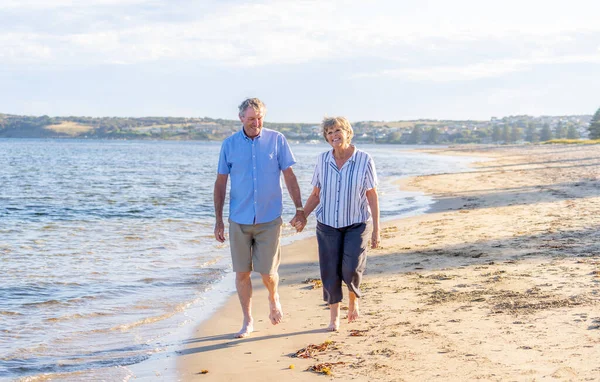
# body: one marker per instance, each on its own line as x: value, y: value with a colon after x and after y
x: 342, y: 257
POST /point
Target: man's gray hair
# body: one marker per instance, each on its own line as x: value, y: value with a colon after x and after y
x: 341, y: 122
x: 254, y: 103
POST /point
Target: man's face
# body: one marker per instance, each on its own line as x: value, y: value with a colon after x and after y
x: 252, y: 121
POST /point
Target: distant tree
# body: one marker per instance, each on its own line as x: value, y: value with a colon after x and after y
x: 481, y: 134
x: 515, y: 134
x: 394, y: 137
x: 496, y: 134
x: 546, y: 133
x: 572, y: 132
x: 594, y: 127
x: 560, y: 131
x: 416, y: 135
x: 465, y: 136
x: 433, y: 135
x: 530, y: 134
x: 44, y: 120
x: 506, y: 134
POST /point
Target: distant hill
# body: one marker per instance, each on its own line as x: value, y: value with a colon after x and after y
x: 177, y: 128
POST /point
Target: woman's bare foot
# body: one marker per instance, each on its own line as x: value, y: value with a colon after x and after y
x: 247, y: 328
x: 334, y: 322
x: 276, y: 313
x: 353, y: 310
x: 334, y: 326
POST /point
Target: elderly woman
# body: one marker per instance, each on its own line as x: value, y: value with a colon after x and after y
x: 345, y: 198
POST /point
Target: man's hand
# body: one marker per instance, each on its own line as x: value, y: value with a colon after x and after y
x: 298, y: 221
x: 220, y: 231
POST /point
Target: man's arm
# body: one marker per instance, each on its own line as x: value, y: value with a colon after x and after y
x: 294, y: 190
x: 219, y: 198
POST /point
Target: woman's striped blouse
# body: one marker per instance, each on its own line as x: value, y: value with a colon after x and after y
x: 343, y: 193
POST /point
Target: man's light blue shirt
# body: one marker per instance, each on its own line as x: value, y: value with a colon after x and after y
x: 255, y: 166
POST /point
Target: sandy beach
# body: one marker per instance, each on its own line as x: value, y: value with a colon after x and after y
x: 499, y: 281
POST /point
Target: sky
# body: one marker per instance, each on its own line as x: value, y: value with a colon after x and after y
x: 373, y: 60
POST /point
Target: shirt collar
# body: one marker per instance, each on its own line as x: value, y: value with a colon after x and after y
x: 352, y: 157
x: 247, y: 137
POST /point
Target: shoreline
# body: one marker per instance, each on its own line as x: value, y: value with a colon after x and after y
x: 505, y: 212
x: 163, y: 363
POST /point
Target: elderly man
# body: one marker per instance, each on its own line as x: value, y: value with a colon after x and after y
x: 255, y: 158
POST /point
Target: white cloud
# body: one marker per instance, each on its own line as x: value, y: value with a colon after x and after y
x: 295, y: 32
x: 50, y: 4
x: 24, y: 48
x: 480, y: 70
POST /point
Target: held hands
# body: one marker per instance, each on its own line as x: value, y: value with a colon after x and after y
x: 220, y: 231
x: 298, y: 221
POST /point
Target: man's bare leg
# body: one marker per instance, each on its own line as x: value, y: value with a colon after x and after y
x: 334, y: 323
x: 275, y: 311
x: 243, y: 284
x: 353, y: 311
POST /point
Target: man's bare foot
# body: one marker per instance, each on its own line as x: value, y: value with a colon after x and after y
x: 247, y: 328
x: 276, y: 313
x: 353, y: 311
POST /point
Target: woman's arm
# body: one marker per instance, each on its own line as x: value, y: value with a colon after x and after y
x: 373, y: 200
x: 311, y: 203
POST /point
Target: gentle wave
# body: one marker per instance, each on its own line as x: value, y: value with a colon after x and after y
x: 148, y: 320
x: 8, y: 313
x: 78, y: 316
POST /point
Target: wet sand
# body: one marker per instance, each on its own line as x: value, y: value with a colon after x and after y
x: 499, y: 281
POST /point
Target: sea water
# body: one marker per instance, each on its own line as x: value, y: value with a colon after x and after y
x: 107, y: 254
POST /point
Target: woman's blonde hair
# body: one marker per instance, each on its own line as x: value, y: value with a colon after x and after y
x: 341, y: 122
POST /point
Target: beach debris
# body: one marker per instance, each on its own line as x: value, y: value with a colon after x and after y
x: 388, y: 232
x: 316, y: 283
x: 358, y: 333
x: 440, y: 276
x: 530, y: 302
x: 324, y: 368
x: 311, y: 349
x: 203, y: 371
x: 385, y: 352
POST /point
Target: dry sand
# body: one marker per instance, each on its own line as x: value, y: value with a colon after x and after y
x: 500, y: 281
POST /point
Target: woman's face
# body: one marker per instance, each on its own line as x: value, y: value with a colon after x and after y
x: 337, y: 137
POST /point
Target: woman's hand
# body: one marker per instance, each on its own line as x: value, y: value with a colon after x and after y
x: 375, y: 239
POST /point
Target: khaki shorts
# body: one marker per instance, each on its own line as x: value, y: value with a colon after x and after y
x: 255, y: 246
